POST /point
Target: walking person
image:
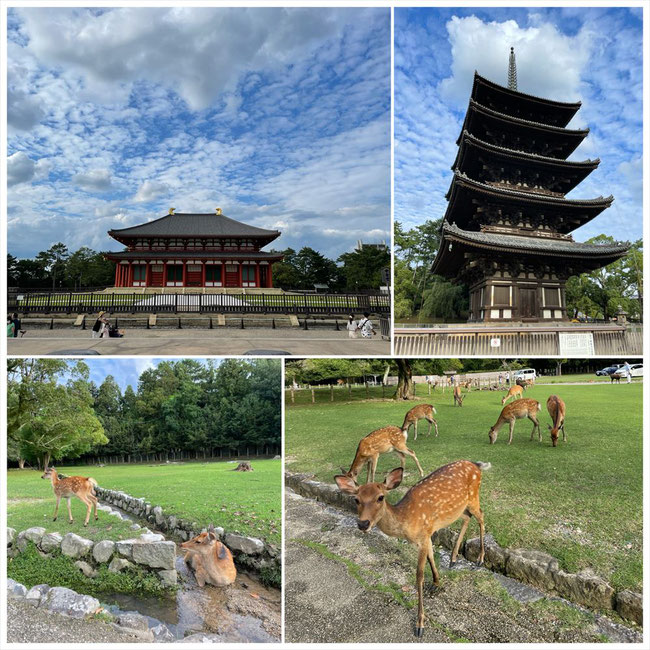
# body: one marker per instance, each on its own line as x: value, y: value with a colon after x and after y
x: 10, y: 328
x: 17, y: 325
x: 627, y: 371
x: 366, y: 327
x: 100, y: 326
x: 352, y: 327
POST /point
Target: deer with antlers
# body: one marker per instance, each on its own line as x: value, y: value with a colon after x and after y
x: 521, y: 408
x: 556, y: 409
x: 448, y: 494
x: 458, y: 396
x: 73, y: 486
x: 210, y: 559
x: 516, y: 392
x: 420, y: 412
x: 381, y: 441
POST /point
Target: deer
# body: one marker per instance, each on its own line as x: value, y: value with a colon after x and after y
x: 516, y: 392
x: 556, y: 409
x: 210, y: 560
x: 448, y: 494
x: 521, y: 408
x: 380, y: 441
x: 78, y: 486
x: 420, y: 412
x: 458, y: 396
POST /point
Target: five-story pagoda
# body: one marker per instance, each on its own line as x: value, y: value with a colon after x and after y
x: 507, y: 229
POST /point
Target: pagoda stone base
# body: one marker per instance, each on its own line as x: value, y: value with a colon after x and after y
x: 526, y: 299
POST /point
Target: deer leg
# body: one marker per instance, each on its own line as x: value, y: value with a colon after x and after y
x: 422, y: 558
x: 369, y: 468
x: 415, y: 458
x: 56, y: 508
x: 374, y: 467
x: 535, y: 426
x: 69, y: 511
x: 415, y: 430
x: 402, y: 458
x: 454, y: 554
x: 475, y: 510
x: 512, y: 428
x: 435, y: 424
x: 89, y: 508
x: 94, y: 502
x: 563, y: 433
x: 432, y: 563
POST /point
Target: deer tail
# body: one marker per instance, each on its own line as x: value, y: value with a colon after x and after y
x: 94, y: 483
x: 482, y: 466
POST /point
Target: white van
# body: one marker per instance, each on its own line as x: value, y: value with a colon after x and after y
x: 524, y: 374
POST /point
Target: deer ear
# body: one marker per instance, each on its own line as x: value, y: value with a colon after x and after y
x: 212, y: 536
x: 222, y: 552
x: 394, y: 478
x: 346, y: 484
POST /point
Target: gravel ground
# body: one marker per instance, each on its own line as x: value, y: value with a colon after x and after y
x: 28, y: 624
x: 343, y: 586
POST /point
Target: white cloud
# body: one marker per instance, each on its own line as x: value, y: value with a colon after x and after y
x: 23, y: 111
x: 95, y: 180
x: 20, y: 168
x: 149, y: 191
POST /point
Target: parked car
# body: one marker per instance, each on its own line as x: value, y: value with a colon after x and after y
x: 525, y: 374
x: 636, y: 370
x: 606, y: 372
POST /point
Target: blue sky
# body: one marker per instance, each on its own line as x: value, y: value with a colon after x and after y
x: 569, y: 54
x: 279, y: 116
x: 125, y: 371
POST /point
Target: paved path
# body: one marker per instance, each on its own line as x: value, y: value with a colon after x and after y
x: 28, y: 624
x: 344, y: 586
x: 199, y: 342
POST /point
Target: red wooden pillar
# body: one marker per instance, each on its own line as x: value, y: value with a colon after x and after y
x: 184, y: 270
x: 269, y: 279
x: 203, y: 270
x: 147, y: 277
x: 257, y: 275
x: 130, y: 280
x: 223, y: 274
x: 241, y: 281
x: 117, y: 268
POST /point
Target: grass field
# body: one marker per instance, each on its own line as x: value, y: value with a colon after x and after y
x: 581, y: 502
x: 245, y: 502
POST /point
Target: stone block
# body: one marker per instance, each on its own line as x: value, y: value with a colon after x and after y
x: 75, y: 546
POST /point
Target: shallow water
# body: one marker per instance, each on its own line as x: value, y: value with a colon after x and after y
x: 245, y: 611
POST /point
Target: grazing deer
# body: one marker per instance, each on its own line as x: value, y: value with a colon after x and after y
x: 516, y: 392
x: 79, y: 486
x: 458, y: 396
x: 449, y: 493
x: 210, y: 560
x: 420, y: 412
x: 378, y: 442
x: 556, y: 409
x: 521, y: 408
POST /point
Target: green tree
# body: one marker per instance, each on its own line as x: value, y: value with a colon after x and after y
x: 362, y: 268
x: 54, y: 261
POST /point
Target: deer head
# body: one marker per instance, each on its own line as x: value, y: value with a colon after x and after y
x: 206, y: 544
x: 554, y: 435
x: 371, y: 497
x: 493, y: 435
x: 48, y: 473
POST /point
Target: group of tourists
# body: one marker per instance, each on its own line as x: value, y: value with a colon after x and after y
x: 363, y: 328
x: 14, y: 326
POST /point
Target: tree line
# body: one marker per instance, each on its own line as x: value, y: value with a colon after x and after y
x: 179, y: 408
x: 422, y: 295
x: 57, y: 267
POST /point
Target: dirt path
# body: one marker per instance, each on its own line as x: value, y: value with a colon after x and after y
x: 28, y: 624
x: 344, y: 586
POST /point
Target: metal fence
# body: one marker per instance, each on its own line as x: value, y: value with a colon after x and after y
x: 258, y: 303
x: 611, y: 340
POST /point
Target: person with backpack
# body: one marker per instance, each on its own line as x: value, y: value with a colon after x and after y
x: 366, y: 327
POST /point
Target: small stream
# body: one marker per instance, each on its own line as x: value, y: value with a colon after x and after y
x: 245, y: 611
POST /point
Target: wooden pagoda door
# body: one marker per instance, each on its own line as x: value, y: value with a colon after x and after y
x: 528, y: 303
x: 232, y: 275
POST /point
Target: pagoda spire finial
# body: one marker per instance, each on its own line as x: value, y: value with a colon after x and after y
x: 512, y: 71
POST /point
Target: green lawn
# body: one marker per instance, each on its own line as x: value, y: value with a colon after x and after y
x: 245, y: 502
x: 581, y: 502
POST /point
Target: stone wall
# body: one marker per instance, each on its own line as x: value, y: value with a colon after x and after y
x: 149, y: 551
x: 248, y: 552
x: 532, y: 567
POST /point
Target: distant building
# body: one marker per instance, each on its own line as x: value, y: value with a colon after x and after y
x: 194, y: 250
x: 381, y: 246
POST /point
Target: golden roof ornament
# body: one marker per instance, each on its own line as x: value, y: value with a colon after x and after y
x: 218, y: 211
x: 171, y: 210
